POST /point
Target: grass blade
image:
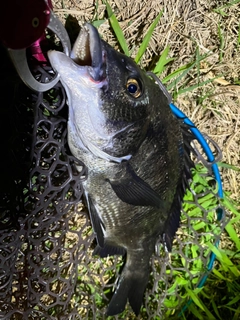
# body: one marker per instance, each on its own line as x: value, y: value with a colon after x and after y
x: 147, y: 38
x: 231, y: 3
x: 163, y: 60
x: 97, y: 23
x: 180, y: 70
x: 195, y: 86
x: 230, y: 206
x: 117, y: 29
x: 228, y: 166
x: 194, y: 298
x: 225, y: 261
x: 233, y: 235
x: 221, y: 39
x: 238, y: 38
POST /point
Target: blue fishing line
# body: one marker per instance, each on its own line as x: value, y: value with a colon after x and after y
x: 179, y: 114
x: 200, y: 138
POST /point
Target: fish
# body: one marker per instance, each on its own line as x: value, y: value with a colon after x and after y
x: 137, y: 152
x: 23, y: 22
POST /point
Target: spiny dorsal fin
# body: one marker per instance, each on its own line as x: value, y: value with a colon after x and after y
x: 173, y: 221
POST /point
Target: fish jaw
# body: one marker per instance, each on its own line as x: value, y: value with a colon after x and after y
x: 83, y: 92
x: 85, y: 69
x: 86, y: 124
x: 87, y: 54
x: 84, y: 78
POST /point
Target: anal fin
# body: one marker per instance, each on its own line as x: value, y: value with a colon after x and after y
x: 108, y: 250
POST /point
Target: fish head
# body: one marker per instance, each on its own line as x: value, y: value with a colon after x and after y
x: 108, y: 95
x: 23, y: 22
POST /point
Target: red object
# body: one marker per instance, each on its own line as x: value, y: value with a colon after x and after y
x: 22, y: 22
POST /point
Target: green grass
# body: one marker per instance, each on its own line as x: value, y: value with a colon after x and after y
x: 221, y: 10
x: 173, y: 81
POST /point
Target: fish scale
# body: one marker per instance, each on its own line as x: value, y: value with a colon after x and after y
x: 138, y: 173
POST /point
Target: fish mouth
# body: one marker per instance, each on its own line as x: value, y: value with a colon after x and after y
x: 87, y: 51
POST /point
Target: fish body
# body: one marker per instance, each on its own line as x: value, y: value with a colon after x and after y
x: 121, y: 126
x: 23, y: 22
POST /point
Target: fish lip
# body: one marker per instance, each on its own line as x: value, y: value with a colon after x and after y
x: 87, y: 51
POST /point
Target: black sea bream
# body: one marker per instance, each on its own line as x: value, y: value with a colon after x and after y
x: 137, y: 154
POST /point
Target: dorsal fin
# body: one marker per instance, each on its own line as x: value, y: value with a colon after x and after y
x: 173, y: 221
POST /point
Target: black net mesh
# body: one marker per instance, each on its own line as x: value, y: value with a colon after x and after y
x: 47, y: 270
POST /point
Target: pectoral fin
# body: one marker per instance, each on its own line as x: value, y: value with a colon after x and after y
x: 133, y: 190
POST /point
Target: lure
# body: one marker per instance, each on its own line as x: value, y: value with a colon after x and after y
x: 31, y: 18
x: 23, y: 22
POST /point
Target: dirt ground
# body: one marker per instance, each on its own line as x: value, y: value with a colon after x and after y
x: 210, y: 25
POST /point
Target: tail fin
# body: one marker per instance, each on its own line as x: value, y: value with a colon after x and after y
x: 131, y: 287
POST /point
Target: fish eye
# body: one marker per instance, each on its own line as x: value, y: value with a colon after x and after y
x: 134, y: 88
x: 35, y: 22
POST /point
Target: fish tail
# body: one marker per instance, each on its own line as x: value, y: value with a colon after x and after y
x: 131, y: 287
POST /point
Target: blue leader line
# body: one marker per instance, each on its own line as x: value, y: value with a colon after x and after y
x: 200, y: 138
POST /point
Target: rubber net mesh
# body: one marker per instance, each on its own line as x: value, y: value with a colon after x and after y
x: 47, y: 270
